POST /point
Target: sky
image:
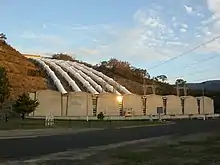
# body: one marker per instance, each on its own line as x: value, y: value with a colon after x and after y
x: 144, y: 33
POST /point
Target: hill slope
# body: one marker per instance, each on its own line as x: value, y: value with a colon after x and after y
x: 23, y: 76
x: 213, y: 85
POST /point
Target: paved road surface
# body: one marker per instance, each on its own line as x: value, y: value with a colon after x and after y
x: 14, y: 149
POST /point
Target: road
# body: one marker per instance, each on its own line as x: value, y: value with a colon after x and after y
x: 14, y: 149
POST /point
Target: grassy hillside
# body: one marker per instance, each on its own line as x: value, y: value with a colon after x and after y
x: 23, y: 76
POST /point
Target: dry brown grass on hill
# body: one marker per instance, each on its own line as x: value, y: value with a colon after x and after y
x: 20, y: 71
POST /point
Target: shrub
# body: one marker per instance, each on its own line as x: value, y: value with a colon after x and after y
x: 100, y: 116
x: 25, y: 105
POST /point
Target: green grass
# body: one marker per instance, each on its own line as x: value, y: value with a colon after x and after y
x: 17, y: 123
x: 184, y: 152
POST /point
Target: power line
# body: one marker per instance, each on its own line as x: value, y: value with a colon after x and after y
x: 202, y: 60
x: 184, y: 53
x: 200, y: 71
x: 192, y: 74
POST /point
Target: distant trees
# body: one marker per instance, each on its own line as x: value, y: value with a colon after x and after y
x: 124, y: 69
x: 25, y: 105
x: 3, y: 37
x: 180, y: 82
x: 62, y: 56
x: 163, y: 78
x: 4, y: 86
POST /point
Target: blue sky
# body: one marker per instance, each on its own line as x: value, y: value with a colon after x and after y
x: 144, y: 33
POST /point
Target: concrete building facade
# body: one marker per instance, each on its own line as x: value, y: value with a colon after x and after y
x: 85, y: 104
x: 133, y: 103
x: 108, y: 104
x: 51, y: 102
x: 152, y: 102
x: 173, y: 105
x: 208, y: 105
x: 190, y: 105
x: 79, y: 104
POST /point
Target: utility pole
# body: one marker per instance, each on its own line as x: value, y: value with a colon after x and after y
x: 203, y: 101
x: 153, y: 86
x: 185, y: 88
x: 177, y: 90
x: 154, y: 89
x: 87, y: 107
x: 144, y: 86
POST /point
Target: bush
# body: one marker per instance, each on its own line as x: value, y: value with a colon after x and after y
x: 25, y: 105
x: 100, y: 116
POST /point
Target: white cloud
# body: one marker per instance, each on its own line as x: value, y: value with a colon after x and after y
x: 183, y: 30
x: 184, y: 26
x: 148, y: 19
x: 174, y: 43
x: 43, y: 38
x: 188, y: 9
x: 152, y: 37
x: 88, y: 51
x: 208, y: 33
x: 214, y: 6
x: 209, y: 20
x: 200, y: 15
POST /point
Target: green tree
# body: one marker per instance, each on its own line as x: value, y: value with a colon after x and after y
x: 25, y: 105
x: 155, y: 79
x: 163, y: 78
x: 3, y: 37
x: 4, y: 86
x: 181, y: 83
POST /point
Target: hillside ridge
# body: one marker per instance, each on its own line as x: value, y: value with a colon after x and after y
x: 23, y: 76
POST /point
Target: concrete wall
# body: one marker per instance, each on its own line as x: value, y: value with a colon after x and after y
x: 153, y: 101
x: 108, y: 104
x: 50, y: 103
x: 33, y: 97
x: 75, y: 104
x: 133, y: 101
x: 173, y: 105
x: 208, y: 105
x: 190, y: 105
x: 79, y: 104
